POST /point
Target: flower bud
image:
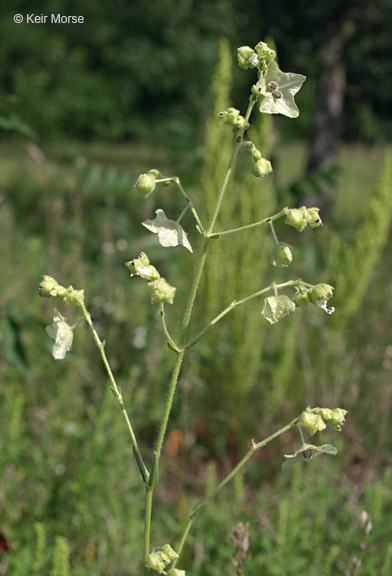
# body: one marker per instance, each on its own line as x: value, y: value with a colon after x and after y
x: 247, y: 57
x: 140, y: 261
x: 301, y: 299
x: 241, y: 123
x: 161, y: 291
x: 145, y: 184
x: 297, y: 217
x: 264, y: 52
x: 276, y: 307
x: 312, y: 422
x: 261, y: 168
x: 159, y: 558
x: 48, y: 287
x: 336, y: 418
x: 320, y: 293
x: 229, y: 116
x: 256, y: 90
x: 170, y: 553
x: 281, y: 255
x: 141, y: 266
x: 73, y: 297
x: 300, y: 217
x: 314, y: 218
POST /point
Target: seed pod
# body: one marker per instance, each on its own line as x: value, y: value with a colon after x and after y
x: 281, y: 255
x: 145, y: 184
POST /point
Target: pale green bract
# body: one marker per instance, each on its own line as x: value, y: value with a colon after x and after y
x: 159, y: 558
x: 309, y: 452
x: 277, y: 307
x: 62, y: 334
x: 170, y: 233
x: 288, y: 84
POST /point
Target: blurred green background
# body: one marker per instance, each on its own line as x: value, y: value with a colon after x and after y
x: 83, y: 110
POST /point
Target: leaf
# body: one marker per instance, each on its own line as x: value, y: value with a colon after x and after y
x: 62, y: 333
x: 309, y: 452
x: 170, y: 233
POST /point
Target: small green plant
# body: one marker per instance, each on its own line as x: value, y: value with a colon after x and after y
x: 273, y: 93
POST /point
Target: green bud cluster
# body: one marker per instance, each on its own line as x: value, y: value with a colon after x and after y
x: 161, y: 291
x: 259, y: 57
x: 335, y: 418
x: 50, y: 288
x: 277, y: 307
x: 318, y: 295
x: 233, y: 116
x: 299, y: 218
x: 313, y: 419
x: 159, y: 558
x: 260, y: 166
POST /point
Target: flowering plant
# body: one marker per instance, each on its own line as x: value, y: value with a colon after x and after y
x: 274, y: 93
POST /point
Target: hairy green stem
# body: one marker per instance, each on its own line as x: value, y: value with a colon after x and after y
x: 185, y: 210
x: 147, y: 526
x: 177, y: 182
x: 236, y: 149
x: 169, y: 402
x: 190, y: 203
x: 117, y: 393
x: 274, y: 233
x: 254, y: 448
x: 191, y: 300
x: 165, y: 330
x: 267, y: 220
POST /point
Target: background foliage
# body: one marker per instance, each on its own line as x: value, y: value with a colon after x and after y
x: 139, y: 74
x: 138, y: 63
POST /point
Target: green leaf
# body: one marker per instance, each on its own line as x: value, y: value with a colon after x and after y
x: 308, y: 452
x: 62, y: 333
x: 170, y: 233
x: 279, y: 89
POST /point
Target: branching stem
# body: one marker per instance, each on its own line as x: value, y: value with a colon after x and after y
x: 235, y: 304
x: 267, y: 220
x: 254, y: 448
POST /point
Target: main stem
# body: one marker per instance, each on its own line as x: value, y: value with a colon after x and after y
x: 187, y: 319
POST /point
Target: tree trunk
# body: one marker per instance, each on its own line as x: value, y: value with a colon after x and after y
x: 328, y: 107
